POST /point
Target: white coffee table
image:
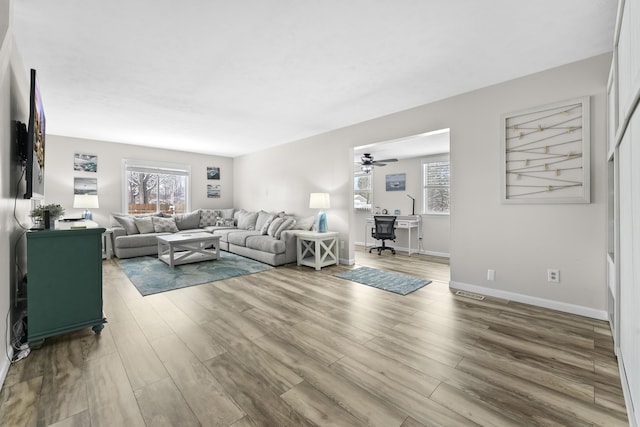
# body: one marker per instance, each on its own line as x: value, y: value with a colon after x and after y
x: 177, y: 249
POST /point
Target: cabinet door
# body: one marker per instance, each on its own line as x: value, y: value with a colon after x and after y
x: 64, y: 281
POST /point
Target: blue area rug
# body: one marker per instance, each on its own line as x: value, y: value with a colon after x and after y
x: 151, y: 276
x: 385, y: 280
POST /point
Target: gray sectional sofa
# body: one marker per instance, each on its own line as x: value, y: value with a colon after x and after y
x: 268, y: 237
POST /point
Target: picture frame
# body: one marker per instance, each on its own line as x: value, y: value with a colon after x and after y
x: 213, y: 191
x: 213, y: 172
x: 85, y: 162
x: 546, y: 153
x: 85, y: 185
x: 396, y: 182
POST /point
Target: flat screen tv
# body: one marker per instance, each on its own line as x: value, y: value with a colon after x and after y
x: 35, y: 143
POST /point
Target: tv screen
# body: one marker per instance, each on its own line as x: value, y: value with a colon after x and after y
x: 35, y: 143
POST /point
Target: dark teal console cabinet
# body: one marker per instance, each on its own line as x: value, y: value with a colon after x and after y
x: 64, y: 282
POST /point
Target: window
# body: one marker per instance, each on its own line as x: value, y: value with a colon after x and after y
x: 436, y: 178
x: 362, y: 190
x: 155, y: 187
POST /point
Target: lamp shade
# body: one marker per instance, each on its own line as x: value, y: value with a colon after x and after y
x: 319, y: 201
x: 85, y: 201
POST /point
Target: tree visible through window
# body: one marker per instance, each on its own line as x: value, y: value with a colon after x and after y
x: 436, y: 178
x: 156, y: 189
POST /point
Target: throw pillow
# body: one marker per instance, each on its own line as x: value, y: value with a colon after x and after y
x: 263, y: 221
x: 247, y: 220
x: 208, y: 217
x: 188, y: 221
x: 164, y: 225
x: 144, y: 224
x: 127, y: 222
x: 273, y: 227
x: 305, y: 223
x: 287, y: 224
x: 227, y: 213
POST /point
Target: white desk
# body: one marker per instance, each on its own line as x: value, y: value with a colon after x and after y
x: 408, y: 223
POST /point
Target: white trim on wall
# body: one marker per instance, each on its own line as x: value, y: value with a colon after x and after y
x: 526, y: 299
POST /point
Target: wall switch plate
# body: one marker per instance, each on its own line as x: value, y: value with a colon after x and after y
x: 491, y: 274
x: 553, y: 275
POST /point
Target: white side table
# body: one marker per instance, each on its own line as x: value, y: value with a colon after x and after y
x: 317, y: 249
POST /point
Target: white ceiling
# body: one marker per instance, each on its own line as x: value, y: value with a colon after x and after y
x: 233, y: 77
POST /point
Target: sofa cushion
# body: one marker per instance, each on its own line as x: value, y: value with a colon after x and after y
x: 128, y: 222
x: 227, y: 213
x: 273, y: 227
x: 265, y: 244
x: 144, y: 224
x: 138, y: 240
x: 287, y: 224
x: 239, y: 237
x: 247, y: 220
x: 188, y: 221
x: 305, y: 223
x: 164, y: 225
x: 224, y: 233
x: 263, y: 221
x: 208, y: 217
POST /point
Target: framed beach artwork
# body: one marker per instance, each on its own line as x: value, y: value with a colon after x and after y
x: 213, y: 172
x: 213, y: 191
x: 85, y: 186
x: 396, y: 182
x: 85, y: 162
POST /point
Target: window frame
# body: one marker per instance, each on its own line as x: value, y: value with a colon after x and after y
x: 135, y: 165
x: 437, y: 158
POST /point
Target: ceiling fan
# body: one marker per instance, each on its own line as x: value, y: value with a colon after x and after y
x: 368, y: 162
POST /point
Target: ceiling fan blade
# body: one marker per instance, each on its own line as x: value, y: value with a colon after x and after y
x: 379, y: 164
x: 385, y: 161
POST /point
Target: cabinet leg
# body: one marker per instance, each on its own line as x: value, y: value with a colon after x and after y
x: 98, y: 328
x: 34, y: 345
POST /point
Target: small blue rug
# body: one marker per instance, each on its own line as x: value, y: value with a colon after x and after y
x: 385, y: 280
x: 151, y: 276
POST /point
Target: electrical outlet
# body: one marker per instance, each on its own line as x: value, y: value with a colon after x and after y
x: 553, y: 275
x: 491, y: 274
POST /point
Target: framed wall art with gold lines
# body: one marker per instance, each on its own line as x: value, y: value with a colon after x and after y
x: 546, y: 154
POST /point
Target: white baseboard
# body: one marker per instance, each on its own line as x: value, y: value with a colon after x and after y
x: 4, y: 366
x: 527, y: 299
x: 634, y: 419
x: 347, y: 261
x: 433, y: 253
x: 404, y: 249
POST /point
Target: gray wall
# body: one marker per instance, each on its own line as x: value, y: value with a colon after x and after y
x: 14, y: 103
x: 60, y: 175
x: 518, y: 241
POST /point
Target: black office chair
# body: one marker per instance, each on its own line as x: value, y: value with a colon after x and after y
x: 384, y: 230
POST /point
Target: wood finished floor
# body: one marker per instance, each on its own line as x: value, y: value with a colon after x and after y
x: 296, y: 347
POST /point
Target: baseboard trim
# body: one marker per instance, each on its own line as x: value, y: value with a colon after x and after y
x: 413, y: 251
x: 4, y: 367
x: 527, y: 299
x: 433, y: 253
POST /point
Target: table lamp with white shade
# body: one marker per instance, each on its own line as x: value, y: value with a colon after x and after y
x: 86, y: 202
x: 320, y: 201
